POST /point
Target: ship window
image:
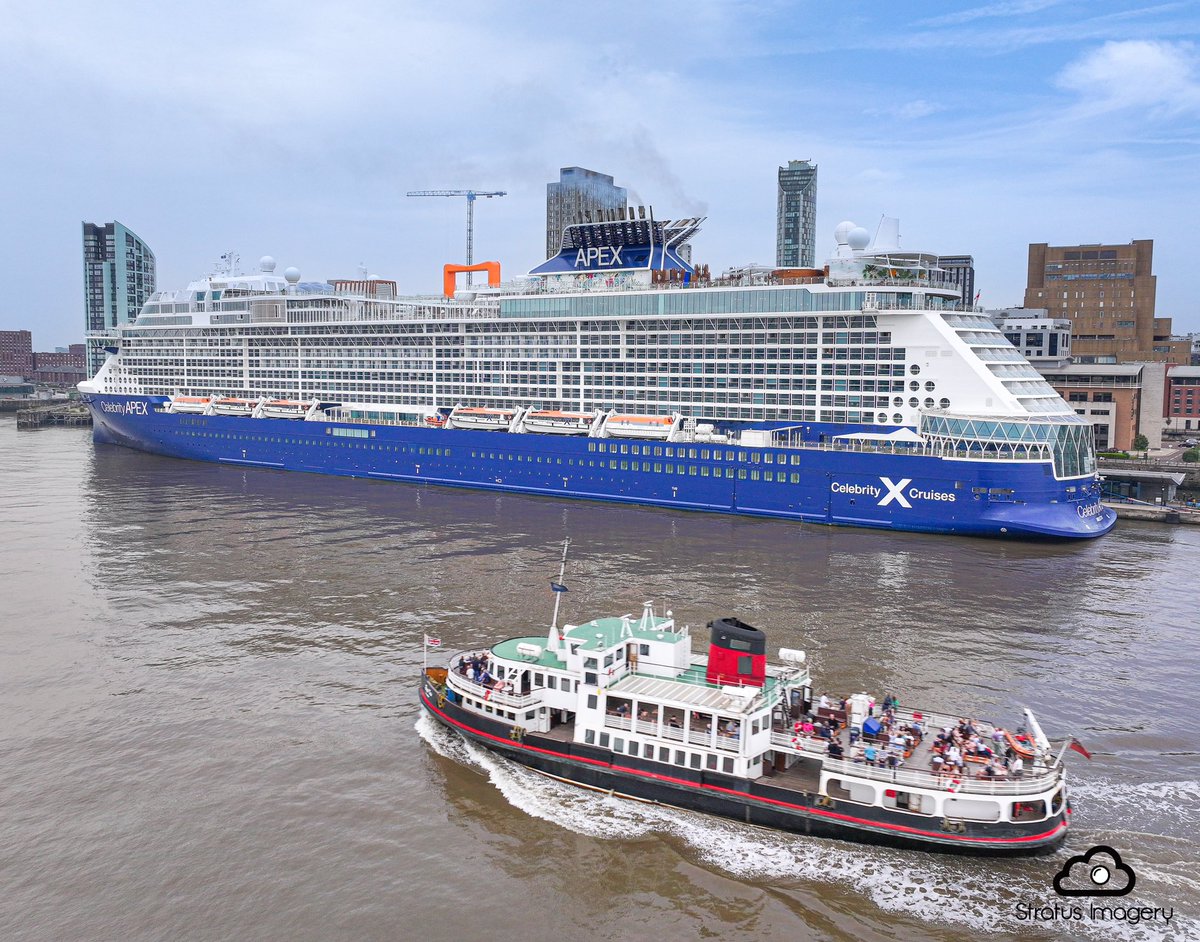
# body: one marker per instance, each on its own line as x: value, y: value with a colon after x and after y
x: 915, y: 370
x: 744, y: 667
x: 648, y: 751
x: 618, y: 744
x: 604, y: 740
x: 657, y: 467
x: 680, y: 757
x: 795, y: 459
x: 692, y: 470
x: 658, y: 451
x: 711, y: 762
x: 754, y: 475
x: 591, y: 701
x: 704, y: 471
x: 552, y: 682
x: 729, y: 472
x: 664, y: 754
x: 644, y: 650
x: 624, y: 449
x: 727, y: 766
x: 608, y: 660
x: 695, y: 760
x: 741, y: 474
x: 589, y: 736
x: 624, y: 465
x: 589, y: 678
x: 645, y: 465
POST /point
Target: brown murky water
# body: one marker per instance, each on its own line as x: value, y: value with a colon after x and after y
x: 209, y: 726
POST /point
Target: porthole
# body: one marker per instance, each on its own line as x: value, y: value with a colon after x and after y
x: 915, y: 370
x: 945, y: 404
x: 897, y: 418
x: 929, y: 403
x: 914, y: 386
x: 898, y: 401
x: 914, y: 402
x: 882, y: 418
x: 929, y: 386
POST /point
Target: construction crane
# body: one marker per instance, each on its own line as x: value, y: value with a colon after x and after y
x: 472, y: 196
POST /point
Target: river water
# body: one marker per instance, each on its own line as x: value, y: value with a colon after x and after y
x: 209, y: 724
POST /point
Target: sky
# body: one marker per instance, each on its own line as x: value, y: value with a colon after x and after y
x: 295, y: 129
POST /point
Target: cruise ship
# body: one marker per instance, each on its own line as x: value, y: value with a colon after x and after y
x: 861, y: 394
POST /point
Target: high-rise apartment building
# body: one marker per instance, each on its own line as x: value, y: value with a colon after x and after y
x: 579, y: 196
x: 961, y: 270
x: 118, y: 277
x: 1107, y: 292
x: 796, y: 216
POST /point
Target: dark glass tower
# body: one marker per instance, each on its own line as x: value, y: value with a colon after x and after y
x: 796, y: 222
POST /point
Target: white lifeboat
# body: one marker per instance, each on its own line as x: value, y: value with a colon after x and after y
x: 230, y: 405
x: 193, y: 404
x: 285, y: 409
x: 660, y: 427
x: 560, y: 423
x: 481, y: 418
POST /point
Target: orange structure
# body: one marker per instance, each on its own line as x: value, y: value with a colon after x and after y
x: 451, y: 272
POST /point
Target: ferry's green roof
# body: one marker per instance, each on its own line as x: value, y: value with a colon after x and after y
x: 600, y: 634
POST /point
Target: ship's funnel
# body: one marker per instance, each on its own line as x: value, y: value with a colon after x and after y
x: 737, y: 653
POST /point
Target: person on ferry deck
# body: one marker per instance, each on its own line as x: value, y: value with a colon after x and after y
x: 835, y: 750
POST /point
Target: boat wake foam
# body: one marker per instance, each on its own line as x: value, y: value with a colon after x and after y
x: 981, y: 894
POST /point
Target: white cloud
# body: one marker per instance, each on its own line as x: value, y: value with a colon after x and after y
x: 1155, y: 75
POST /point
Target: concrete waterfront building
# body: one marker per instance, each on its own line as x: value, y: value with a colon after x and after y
x: 1108, y: 294
x: 796, y: 215
x: 1120, y: 400
x: 118, y: 277
x: 1044, y: 341
x: 961, y: 270
x: 579, y: 196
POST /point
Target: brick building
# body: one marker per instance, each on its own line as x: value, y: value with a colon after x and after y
x: 1108, y: 294
x: 1181, y: 404
x: 16, y: 352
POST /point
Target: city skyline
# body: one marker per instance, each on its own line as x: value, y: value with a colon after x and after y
x: 984, y: 129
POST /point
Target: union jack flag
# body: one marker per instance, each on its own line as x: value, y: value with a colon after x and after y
x: 433, y: 642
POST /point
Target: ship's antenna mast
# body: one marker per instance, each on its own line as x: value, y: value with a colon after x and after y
x: 559, y: 588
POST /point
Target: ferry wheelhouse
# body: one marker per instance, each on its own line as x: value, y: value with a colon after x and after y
x: 624, y: 706
x: 864, y: 395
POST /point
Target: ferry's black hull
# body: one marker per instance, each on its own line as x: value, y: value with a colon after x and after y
x: 757, y: 802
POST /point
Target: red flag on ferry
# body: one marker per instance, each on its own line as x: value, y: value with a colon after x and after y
x: 1078, y: 747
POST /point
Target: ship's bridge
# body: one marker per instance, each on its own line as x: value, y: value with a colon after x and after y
x: 624, y: 245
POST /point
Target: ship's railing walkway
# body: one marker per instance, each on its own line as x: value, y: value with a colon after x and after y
x: 693, y: 736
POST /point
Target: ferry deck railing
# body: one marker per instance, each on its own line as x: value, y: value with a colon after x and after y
x: 1036, y: 782
x: 496, y: 694
x: 673, y: 733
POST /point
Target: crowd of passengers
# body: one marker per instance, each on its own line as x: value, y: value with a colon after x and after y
x: 474, y: 667
x: 957, y: 745
x: 896, y: 740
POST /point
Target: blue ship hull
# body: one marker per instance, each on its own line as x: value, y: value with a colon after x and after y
x: 836, y: 487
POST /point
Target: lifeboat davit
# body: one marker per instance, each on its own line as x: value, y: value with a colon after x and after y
x: 659, y: 427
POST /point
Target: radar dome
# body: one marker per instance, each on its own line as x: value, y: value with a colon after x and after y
x: 291, y: 275
x: 858, y: 238
x: 266, y: 263
x: 843, y: 229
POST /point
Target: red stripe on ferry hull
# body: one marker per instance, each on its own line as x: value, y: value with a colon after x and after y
x: 943, y: 839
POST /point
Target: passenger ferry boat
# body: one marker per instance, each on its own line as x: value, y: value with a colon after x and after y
x: 623, y: 706
x: 864, y: 394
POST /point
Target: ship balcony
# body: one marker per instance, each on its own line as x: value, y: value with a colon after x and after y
x: 496, y: 694
x: 695, y: 737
